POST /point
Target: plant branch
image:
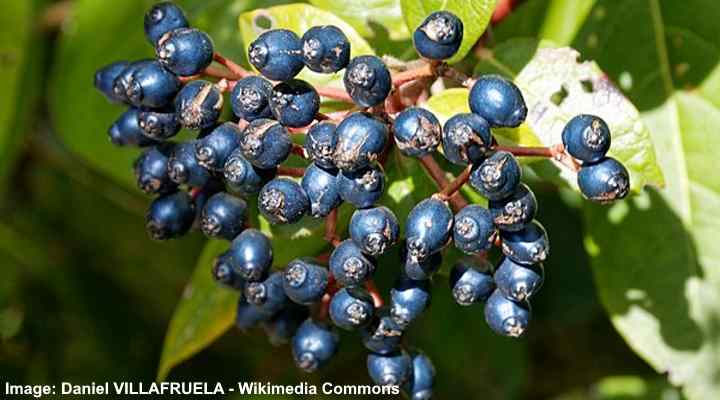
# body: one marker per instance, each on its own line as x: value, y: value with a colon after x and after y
x: 334, y: 93
x: 291, y: 171
x: 437, y: 174
x: 298, y: 150
x: 454, y: 186
x: 375, y: 293
x: 427, y: 70
x: 233, y: 67
x: 331, y: 235
x: 556, y: 152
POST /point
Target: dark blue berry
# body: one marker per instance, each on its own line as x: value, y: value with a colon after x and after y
x: 420, y: 270
x: 409, y: 299
x: 367, y: 80
x: 277, y: 54
x: 427, y: 229
x: 151, y: 170
x: 265, y: 143
x: 363, y: 187
x: 320, y: 143
x: 250, y: 98
x: 374, y: 230
x: 422, y: 379
x: 471, y: 282
x: 213, y: 150
x: 252, y: 255
x: 305, y: 281
x: 146, y: 84
x: 322, y: 189
x: 281, y: 328
x: 519, y: 282
x: 185, y: 51
x: 529, y: 245
x: 351, y: 308
x: 183, y: 168
x: 383, y: 335
x: 199, y: 104
x: 506, y: 317
x: 326, y: 49
x: 417, y: 132
x: 604, y: 181
x: 361, y: 139
x: 314, y: 345
x: 159, y: 125
x: 248, y: 315
x: 105, y: 77
x: 283, y: 201
x: 587, y: 138
x: 223, y: 273
x: 349, y: 265
x: 466, y: 139
x: 294, y: 103
x: 170, y: 216
x: 244, y: 178
x: 439, y: 36
x: 514, y: 212
x: 163, y: 18
x: 268, y: 296
x: 497, y: 177
x: 126, y: 131
x: 392, y: 369
x: 223, y: 216
x: 498, y: 101
x: 474, y: 230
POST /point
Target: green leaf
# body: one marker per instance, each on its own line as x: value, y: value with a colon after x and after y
x: 625, y: 387
x: 563, y: 19
x: 475, y: 15
x: 369, y: 16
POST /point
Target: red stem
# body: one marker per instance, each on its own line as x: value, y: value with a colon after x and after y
x: 375, y: 293
x: 437, y: 174
x: 290, y: 171
x: 298, y: 150
x: 331, y: 235
x: 427, y: 70
x: 236, y: 69
x: 453, y: 187
x: 334, y: 93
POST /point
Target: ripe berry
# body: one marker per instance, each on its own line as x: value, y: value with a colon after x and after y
x: 250, y: 98
x: 104, y: 78
x: 159, y: 125
x: 374, y: 230
x: 466, y: 139
x: 383, y: 335
x: 163, y: 18
x: 529, y: 245
x: 314, y: 345
x: 320, y: 143
x: 277, y: 54
x: 361, y: 138
x: 183, y: 168
x: 367, y: 80
x: 471, y: 282
x: 294, y: 103
x: 506, y: 317
x: 252, y: 255
x: 417, y: 132
x: 199, y: 105
x: 427, y: 229
x: 151, y: 170
x: 351, y: 308
x: 244, y: 178
x: 519, y: 282
x: 349, y: 265
x: 474, y: 230
x: 223, y: 216
x: 281, y: 328
x: 420, y: 270
x: 326, y: 49
x: 322, y: 189
x: 248, y: 315
x: 498, y: 100
x: 363, y: 187
x: 283, y: 201
x: 146, y: 84
x: 604, y: 181
x: 422, y: 379
x: 305, y: 281
x: 223, y: 273
x: 514, y: 212
x: 409, y: 299
x: 126, y: 131
x: 268, y: 296
x: 170, y: 216
x: 497, y: 177
x: 439, y: 36
x: 587, y: 138
x: 391, y: 369
x: 213, y: 150
x: 185, y: 51
x: 265, y: 143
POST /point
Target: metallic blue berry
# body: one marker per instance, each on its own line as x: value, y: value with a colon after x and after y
x: 420, y: 270
x: 351, y: 308
x: 146, y: 84
x: 474, y: 230
x: 363, y: 187
x: 250, y: 98
x: 248, y: 315
x: 185, y: 51
x: 498, y: 101
x: 466, y: 139
x: 268, y: 296
x: 158, y: 125
x: 506, y: 317
x: 183, y: 168
x: 277, y: 54
x: 361, y: 138
x: 265, y: 143
x: 252, y: 255
x: 604, y: 181
x: 514, y: 212
x: 151, y: 170
x: 374, y: 230
x: 322, y: 189
x: 529, y: 245
x: 305, y: 281
x: 104, y: 78
x: 439, y: 36
x: 497, y: 177
x: 326, y: 49
x: 422, y: 379
x: 409, y: 299
x: 383, y: 335
x: 519, y: 282
x: 223, y: 273
x: 199, y: 105
x: 244, y: 178
x: 314, y: 344
x: 283, y: 201
x: 587, y: 138
x: 223, y: 216
x: 163, y: 18
x: 213, y: 150
x: 349, y: 265
x: 367, y: 80
x: 417, y: 132
x: 392, y: 369
x: 320, y: 143
x: 281, y: 328
x: 427, y: 229
x: 126, y: 131
x: 170, y: 216
x: 471, y: 282
x: 294, y: 103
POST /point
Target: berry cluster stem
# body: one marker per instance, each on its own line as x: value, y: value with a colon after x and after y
x: 233, y: 67
x: 556, y: 152
x: 437, y: 174
x: 331, y: 235
x: 291, y: 171
x: 375, y: 293
x: 454, y: 186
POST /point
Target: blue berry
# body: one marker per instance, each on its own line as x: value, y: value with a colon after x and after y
x: 199, y: 104
x: 170, y: 216
x: 126, y: 131
x: 587, y: 138
x: 268, y: 296
x: 283, y: 201
x: 506, y: 317
x: 351, y: 308
x: 422, y: 379
x: 367, y: 80
x: 439, y: 36
x: 363, y: 187
x: 427, y: 229
x: 250, y: 98
x: 185, y: 51
x: 383, y: 335
x: 498, y: 101
x: 248, y: 315
x: 281, y: 328
x: 252, y: 255
x: 604, y: 181
x: 471, y: 282
x: 146, y: 84
x: 223, y: 216
x: 277, y: 54
x: 514, y: 212
x: 326, y: 49
x: 104, y: 78
x: 361, y: 138
x: 163, y: 18
x: 349, y: 265
x: 159, y: 125
x: 183, y: 168
x: 305, y: 281
x: 294, y: 103
x: 497, y: 177
x: 417, y: 132
x: 529, y: 245
x: 322, y: 189
x: 265, y: 143
x: 392, y: 369
x: 466, y: 139
x: 244, y: 178
x: 151, y: 171
x: 474, y: 230
x: 409, y: 299
x: 519, y: 282
x: 420, y: 270
x: 320, y: 143
x: 374, y: 230
x: 314, y: 345
x: 213, y: 150
x: 223, y: 273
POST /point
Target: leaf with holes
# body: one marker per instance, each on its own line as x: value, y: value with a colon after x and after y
x: 369, y: 17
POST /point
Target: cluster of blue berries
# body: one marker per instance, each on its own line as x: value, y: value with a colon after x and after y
x: 205, y: 183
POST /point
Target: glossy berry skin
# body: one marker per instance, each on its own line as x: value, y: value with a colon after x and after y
x: 305, y: 281
x: 427, y: 229
x: 420, y: 270
x: 223, y: 273
x: 439, y: 36
x: 326, y: 49
x: 185, y: 51
x: 170, y: 216
x: 604, y: 181
x: 313, y: 345
x: 349, y: 265
x: 163, y: 18
x: 519, y: 282
x: 183, y: 168
x: 248, y: 315
x: 390, y: 369
x: 146, y: 84
x: 320, y: 143
x: 498, y: 101
x: 281, y: 328
x: 466, y: 139
x: 250, y: 98
x: 126, y: 131
x: 151, y: 172
x: 409, y: 299
x: 265, y: 143
x: 422, y: 379
x: 383, y: 335
x: 252, y: 255
x: 417, y: 132
x: 244, y: 178
x: 529, y: 245
x: 322, y: 189
x: 283, y: 201
x: 363, y: 187
x: 277, y: 54
x: 474, y: 229
x: 268, y: 296
x: 497, y: 177
x: 515, y: 212
x: 294, y: 103
x: 361, y: 138
x: 367, y: 80
x: 351, y: 308
x: 199, y: 104
x: 223, y: 216
x: 506, y: 317
x: 587, y: 138
x: 159, y: 125
x: 104, y: 78
x: 374, y: 230
x: 471, y: 282
x: 213, y: 150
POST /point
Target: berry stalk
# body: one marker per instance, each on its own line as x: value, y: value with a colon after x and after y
x: 291, y: 171
x: 437, y: 174
x: 233, y: 67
